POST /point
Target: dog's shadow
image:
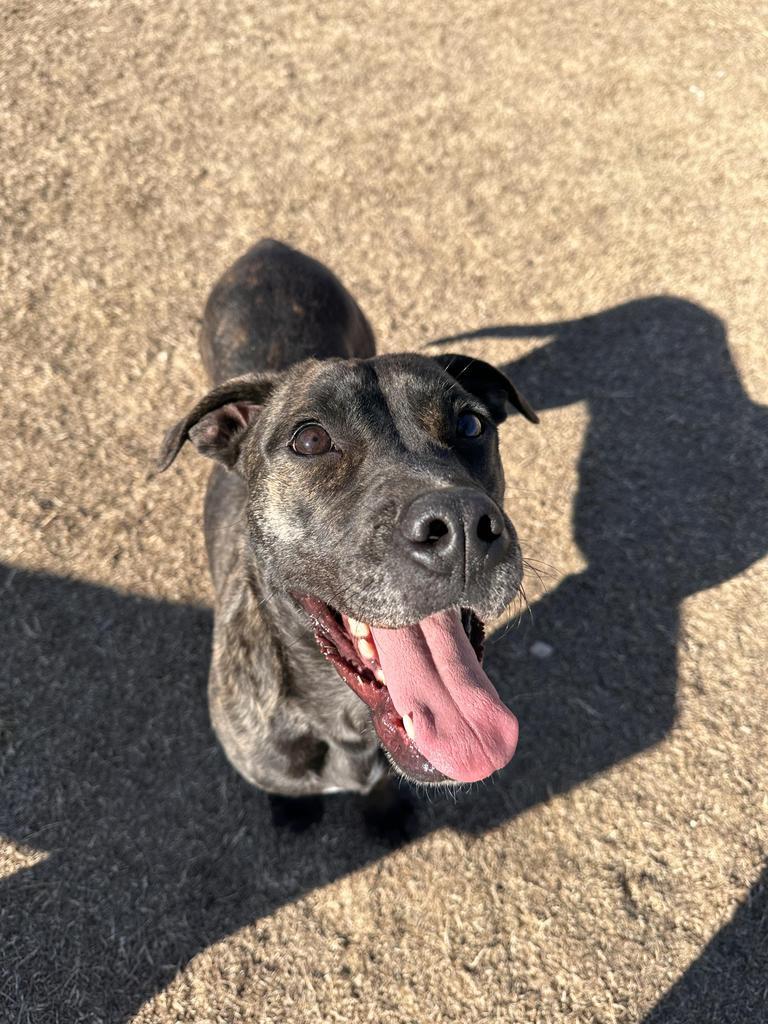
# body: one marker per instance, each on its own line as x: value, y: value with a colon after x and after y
x: 146, y: 845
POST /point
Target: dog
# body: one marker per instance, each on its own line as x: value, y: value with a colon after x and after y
x: 356, y: 538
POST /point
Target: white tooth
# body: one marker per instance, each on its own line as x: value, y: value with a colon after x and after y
x: 408, y: 726
x: 367, y: 649
x: 359, y: 629
x: 379, y: 673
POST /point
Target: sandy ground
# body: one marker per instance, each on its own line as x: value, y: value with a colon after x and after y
x: 580, y: 191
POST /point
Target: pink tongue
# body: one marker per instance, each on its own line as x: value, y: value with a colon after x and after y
x: 433, y: 675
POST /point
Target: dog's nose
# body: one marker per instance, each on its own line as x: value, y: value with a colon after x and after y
x: 455, y: 527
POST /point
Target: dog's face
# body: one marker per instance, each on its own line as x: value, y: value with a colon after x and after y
x: 375, y: 494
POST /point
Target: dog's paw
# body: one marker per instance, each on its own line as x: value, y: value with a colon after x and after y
x: 389, y: 815
x: 296, y: 813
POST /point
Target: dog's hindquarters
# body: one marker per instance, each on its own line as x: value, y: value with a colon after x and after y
x: 274, y: 307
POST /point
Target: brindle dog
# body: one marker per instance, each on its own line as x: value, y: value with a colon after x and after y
x: 355, y: 529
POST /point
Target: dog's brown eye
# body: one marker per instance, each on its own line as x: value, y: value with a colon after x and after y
x: 469, y: 425
x: 311, y: 440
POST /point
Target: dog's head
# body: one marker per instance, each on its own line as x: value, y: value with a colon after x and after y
x: 375, y: 498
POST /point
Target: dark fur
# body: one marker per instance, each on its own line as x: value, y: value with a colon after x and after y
x: 300, y: 350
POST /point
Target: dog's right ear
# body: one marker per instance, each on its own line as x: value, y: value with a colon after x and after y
x: 219, y: 422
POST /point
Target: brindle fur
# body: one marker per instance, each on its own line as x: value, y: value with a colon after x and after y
x: 301, y: 349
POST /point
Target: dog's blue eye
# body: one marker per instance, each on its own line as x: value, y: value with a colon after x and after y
x: 311, y: 439
x: 469, y: 425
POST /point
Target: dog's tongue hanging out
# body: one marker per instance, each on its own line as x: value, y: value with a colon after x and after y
x: 434, y: 677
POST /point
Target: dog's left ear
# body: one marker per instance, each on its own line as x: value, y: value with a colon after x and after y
x: 489, y: 384
x: 218, y: 423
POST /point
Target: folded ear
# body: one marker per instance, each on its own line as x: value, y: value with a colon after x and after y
x: 218, y: 423
x: 489, y: 384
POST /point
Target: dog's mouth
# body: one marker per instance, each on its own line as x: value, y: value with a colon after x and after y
x: 435, y: 711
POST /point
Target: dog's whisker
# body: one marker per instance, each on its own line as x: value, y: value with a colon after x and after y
x: 526, y: 601
x: 296, y: 640
x: 533, y: 558
x: 538, y: 575
x: 514, y: 618
x: 541, y: 577
x: 264, y: 600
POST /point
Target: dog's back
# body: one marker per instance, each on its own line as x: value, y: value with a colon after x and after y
x: 274, y: 307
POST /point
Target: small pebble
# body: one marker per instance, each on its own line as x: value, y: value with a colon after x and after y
x: 541, y: 649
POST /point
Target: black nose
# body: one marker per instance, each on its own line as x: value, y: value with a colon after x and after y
x: 455, y: 528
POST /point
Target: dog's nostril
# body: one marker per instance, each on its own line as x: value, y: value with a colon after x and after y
x: 436, y: 529
x: 486, y: 530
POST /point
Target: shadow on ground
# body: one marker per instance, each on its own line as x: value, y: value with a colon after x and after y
x: 728, y: 984
x: 153, y: 848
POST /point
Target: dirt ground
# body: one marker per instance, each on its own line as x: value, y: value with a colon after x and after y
x: 578, y: 192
